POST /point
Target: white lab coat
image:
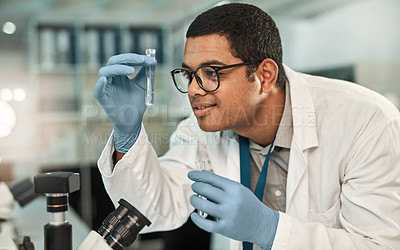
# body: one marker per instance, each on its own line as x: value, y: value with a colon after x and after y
x: 343, y: 184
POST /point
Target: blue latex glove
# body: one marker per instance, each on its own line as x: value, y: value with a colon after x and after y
x: 122, y: 98
x: 239, y: 214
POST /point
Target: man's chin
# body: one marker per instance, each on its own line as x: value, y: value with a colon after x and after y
x: 206, y: 127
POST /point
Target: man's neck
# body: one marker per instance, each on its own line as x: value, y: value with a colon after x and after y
x: 267, y: 119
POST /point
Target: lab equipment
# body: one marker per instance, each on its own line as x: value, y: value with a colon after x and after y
x: 119, y: 229
x: 6, y: 201
x: 201, y: 166
x: 122, y: 98
x: 21, y: 191
x: 150, y: 79
x: 246, y: 218
x: 7, y: 243
x: 26, y: 244
x: 56, y: 186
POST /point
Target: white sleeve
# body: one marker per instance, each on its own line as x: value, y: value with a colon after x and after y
x: 370, y: 199
x: 157, y: 187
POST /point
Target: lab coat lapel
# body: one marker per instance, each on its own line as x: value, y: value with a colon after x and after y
x: 233, y: 162
x: 304, y: 138
x: 227, y: 146
x: 297, y: 183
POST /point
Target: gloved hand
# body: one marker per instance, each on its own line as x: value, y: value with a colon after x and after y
x: 238, y: 212
x: 122, y: 98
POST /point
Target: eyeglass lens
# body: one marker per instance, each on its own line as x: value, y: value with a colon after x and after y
x: 207, y: 78
x: 182, y: 79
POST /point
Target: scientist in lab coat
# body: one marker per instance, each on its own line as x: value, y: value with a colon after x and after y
x: 294, y: 161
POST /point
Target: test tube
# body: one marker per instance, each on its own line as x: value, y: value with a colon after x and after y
x: 149, y: 99
x: 201, y: 165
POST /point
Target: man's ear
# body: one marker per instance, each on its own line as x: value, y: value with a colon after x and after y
x: 267, y: 72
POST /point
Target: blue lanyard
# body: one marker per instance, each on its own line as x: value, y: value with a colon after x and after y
x: 244, y: 150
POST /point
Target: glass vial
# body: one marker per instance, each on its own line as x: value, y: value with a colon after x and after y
x: 149, y: 98
x: 201, y: 166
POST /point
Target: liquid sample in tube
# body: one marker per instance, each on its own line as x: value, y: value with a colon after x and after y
x: 149, y: 91
x: 201, y: 165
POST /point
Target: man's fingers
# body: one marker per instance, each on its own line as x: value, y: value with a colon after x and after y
x: 116, y: 70
x: 141, y: 77
x: 210, y: 192
x: 210, y: 178
x: 205, y: 205
x: 205, y: 224
x: 98, y: 91
x: 132, y: 59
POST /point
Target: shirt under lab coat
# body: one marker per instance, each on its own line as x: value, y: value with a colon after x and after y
x: 343, y: 184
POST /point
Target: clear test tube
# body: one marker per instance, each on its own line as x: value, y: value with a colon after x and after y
x: 149, y: 91
x: 201, y: 165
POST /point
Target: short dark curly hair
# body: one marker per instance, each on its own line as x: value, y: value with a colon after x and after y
x: 251, y: 33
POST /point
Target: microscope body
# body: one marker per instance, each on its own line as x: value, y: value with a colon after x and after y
x: 21, y: 192
x: 94, y: 241
x: 56, y: 186
x: 118, y: 230
x: 6, y: 201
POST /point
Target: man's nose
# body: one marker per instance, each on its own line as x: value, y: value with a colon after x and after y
x: 194, y: 88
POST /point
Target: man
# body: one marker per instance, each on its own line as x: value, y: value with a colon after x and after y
x: 321, y: 156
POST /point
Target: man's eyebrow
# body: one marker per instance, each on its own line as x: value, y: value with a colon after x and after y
x: 212, y: 62
x: 185, y: 66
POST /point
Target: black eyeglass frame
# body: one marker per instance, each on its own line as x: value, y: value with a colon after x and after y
x: 198, y: 79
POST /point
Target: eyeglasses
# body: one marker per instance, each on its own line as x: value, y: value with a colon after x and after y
x: 206, y: 76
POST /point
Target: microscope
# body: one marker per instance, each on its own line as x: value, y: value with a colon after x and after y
x: 56, y: 186
x: 21, y: 192
x: 119, y: 229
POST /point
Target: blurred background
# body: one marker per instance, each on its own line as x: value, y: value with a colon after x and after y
x: 51, y: 51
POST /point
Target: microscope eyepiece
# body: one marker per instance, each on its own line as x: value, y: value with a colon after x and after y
x: 122, y: 226
x: 113, y: 219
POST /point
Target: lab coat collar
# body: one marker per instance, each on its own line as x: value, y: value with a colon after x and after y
x: 303, y: 111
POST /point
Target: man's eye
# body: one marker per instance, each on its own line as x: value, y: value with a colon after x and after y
x: 210, y: 73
